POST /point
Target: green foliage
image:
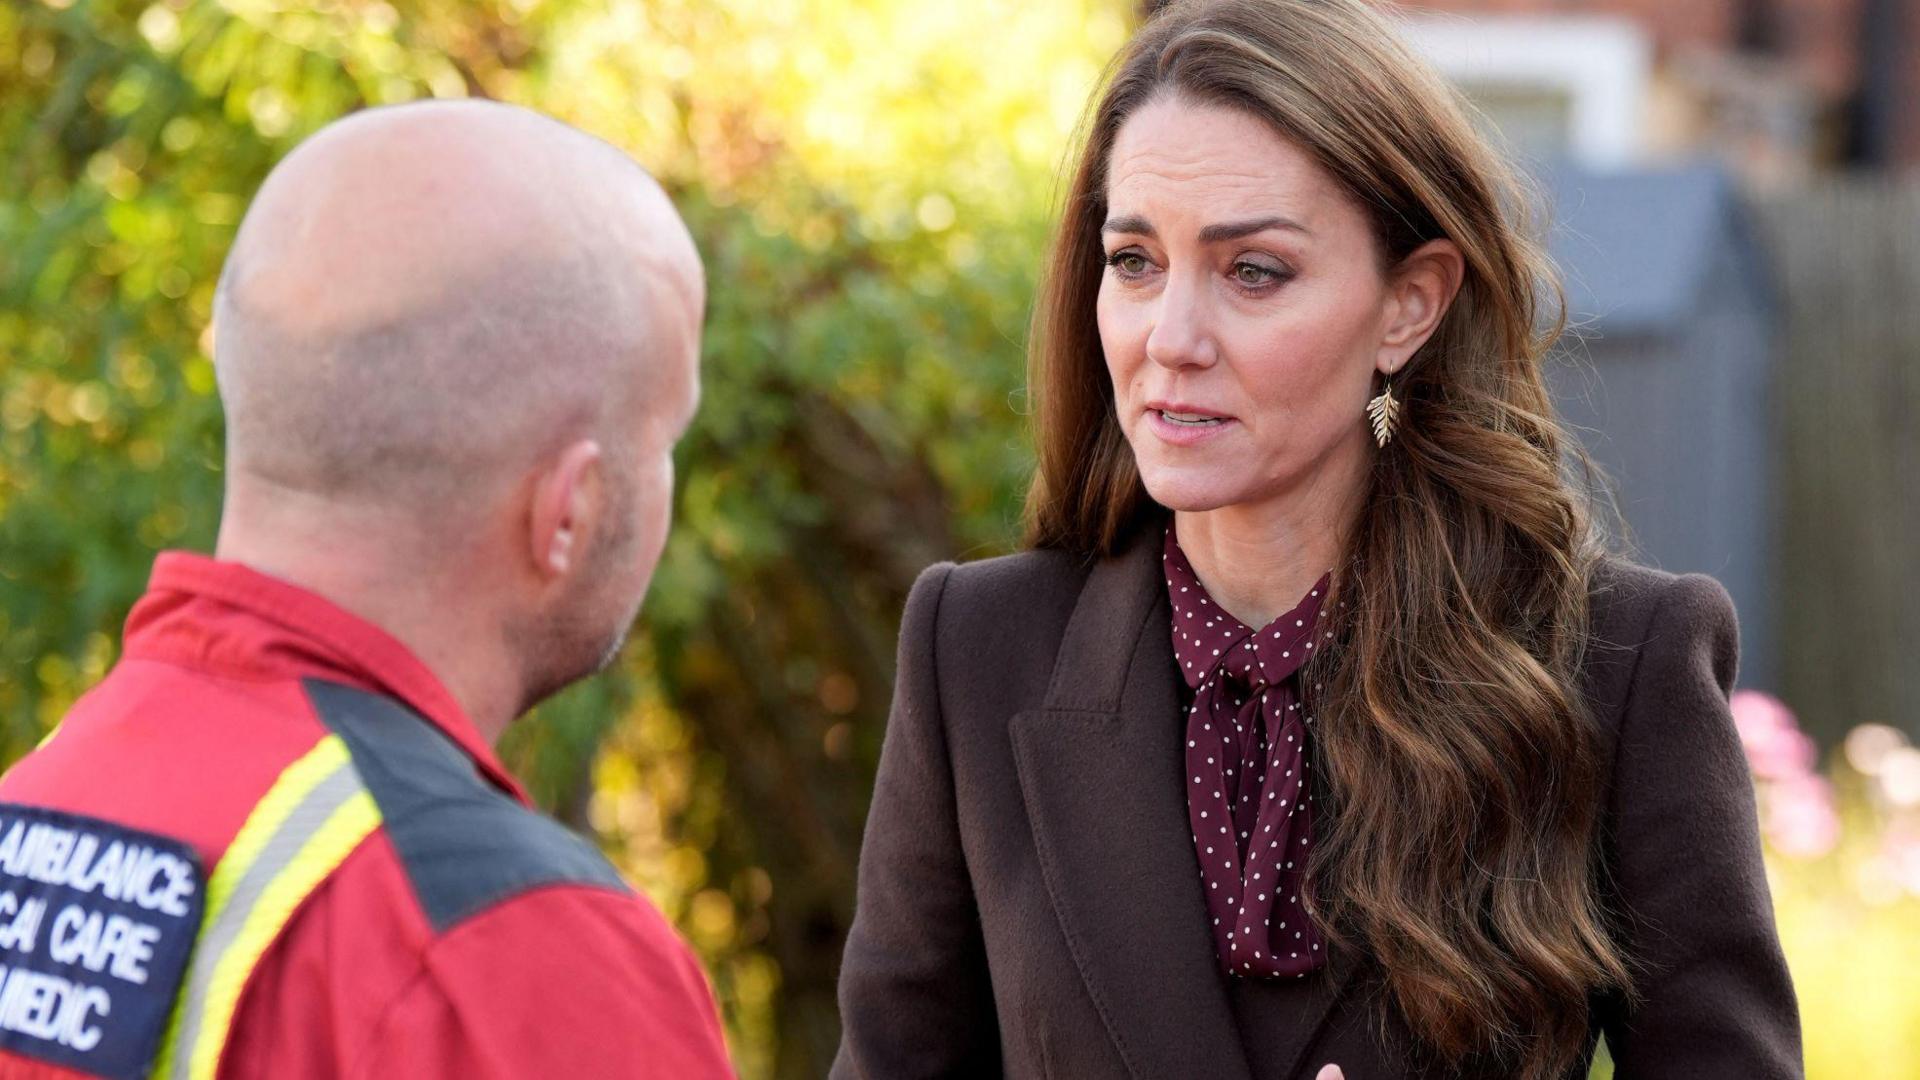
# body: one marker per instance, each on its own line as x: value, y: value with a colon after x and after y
x: 869, y: 184
x: 134, y: 136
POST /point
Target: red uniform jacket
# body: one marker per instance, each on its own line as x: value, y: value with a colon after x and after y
x: 464, y: 936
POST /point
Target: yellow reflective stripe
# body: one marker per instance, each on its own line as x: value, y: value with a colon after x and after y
x: 296, y: 780
x: 318, y: 858
x: 299, y: 855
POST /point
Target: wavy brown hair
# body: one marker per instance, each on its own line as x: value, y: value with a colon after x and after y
x: 1460, y: 764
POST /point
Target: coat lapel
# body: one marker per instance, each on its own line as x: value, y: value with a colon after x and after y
x: 1100, y: 770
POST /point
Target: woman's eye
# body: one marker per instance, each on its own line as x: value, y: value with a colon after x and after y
x: 1247, y: 273
x: 1130, y: 263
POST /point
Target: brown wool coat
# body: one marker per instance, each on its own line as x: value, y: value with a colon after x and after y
x: 1029, y: 903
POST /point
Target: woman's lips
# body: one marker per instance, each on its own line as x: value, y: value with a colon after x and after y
x: 1186, y: 426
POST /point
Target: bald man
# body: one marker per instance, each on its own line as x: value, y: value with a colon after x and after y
x: 456, y: 344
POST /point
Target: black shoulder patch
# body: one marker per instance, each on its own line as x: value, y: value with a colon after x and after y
x: 97, y: 922
x: 466, y: 845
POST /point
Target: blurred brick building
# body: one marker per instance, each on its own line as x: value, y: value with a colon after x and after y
x: 1774, y: 88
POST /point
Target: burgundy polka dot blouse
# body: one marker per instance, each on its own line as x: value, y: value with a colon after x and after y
x: 1247, y: 793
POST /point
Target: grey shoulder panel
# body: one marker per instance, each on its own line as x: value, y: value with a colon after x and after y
x: 466, y: 845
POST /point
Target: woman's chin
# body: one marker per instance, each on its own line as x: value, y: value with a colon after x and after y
x: 1189, y: 494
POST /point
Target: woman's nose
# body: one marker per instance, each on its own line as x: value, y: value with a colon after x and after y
x: 1181, y: 335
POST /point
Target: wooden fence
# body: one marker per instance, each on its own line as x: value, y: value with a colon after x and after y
x: 1845, y: 257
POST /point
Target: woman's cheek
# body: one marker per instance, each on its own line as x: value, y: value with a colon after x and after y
x: 1109, y: 336
x: 1122, y: 352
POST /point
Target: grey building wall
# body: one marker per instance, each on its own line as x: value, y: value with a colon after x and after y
x: 1667, y: 377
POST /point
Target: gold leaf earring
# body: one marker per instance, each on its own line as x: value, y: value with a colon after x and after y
x: 1384, y: 411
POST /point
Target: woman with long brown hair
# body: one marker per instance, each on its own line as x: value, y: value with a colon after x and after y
x: 1316, y: 726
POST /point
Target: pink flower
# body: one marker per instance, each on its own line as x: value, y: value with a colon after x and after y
x: 1902, y: 853
x: 1800, y: 817
x: 1776, y: 747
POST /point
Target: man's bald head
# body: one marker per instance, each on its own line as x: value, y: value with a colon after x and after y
x: 424, y: 299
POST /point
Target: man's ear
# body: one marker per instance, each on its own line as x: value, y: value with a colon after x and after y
x: 1421, y: 288
x: 566, y: 508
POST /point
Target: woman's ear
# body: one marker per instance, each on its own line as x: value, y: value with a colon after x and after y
x: 1419, y: 290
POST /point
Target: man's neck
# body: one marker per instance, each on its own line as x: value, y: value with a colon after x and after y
x: 445, y: 629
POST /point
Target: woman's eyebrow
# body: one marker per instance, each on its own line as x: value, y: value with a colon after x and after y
x: 1135, y: 225
x: 1234, y: 230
